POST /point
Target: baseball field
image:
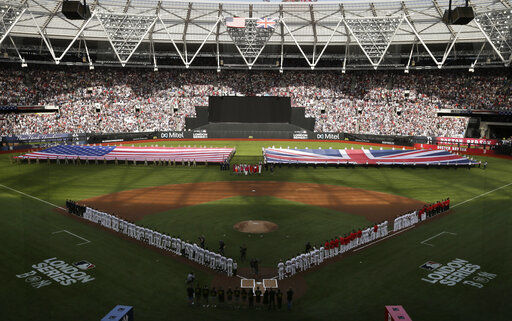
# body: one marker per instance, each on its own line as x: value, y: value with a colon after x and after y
x: 303, y: 205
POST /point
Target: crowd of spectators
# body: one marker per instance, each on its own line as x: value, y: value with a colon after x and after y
x: 136, y: 100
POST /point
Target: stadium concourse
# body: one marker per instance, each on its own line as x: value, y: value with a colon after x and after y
x: 128, y: 100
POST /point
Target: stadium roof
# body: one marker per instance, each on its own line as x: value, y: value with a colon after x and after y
x: 372, y: 27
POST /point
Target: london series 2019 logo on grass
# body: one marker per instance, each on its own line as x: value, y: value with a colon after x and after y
x: 58, y: 271
x: 456, y: 271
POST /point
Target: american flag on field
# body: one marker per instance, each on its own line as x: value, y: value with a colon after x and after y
x: 364, y: 156
x: 235, y: 22
x: 83, y: 152
x: 266, y: 23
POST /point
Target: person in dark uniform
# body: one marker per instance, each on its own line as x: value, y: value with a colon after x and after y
x: 213, y: 294
x: 271, y: 299
x: 243, y: 293
x: 243, y: 253
x: 289, y: 298
x: 229, y: 294
x: 485, y: 164
x: 237, y: 295
x: 198, y: 293
x: 222, y: 245
x: 206, y: 294
x: 256, y: 268
x: 265, y: 298
x: 279, y: 297
x: 257, y: 293
x: 190, y: 295
x: 251, y: 300
x: 202, y: 241
x: 308, y: 247
x: 221, y: 296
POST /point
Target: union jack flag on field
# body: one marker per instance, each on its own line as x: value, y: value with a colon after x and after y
x: 266, y: 23
x: 365, y: 156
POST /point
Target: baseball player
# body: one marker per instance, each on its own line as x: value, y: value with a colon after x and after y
x: 229, y: 267
x: 288, y: 268
x: 200, y: 258
x: 308, y: 260
x: 212, y: 260
x: 196, y: 252
x: 178, y: 246
x: 293, y: 266
x: 314, y: 258
x: 280, y: 270
x: 217, y: 260
x: 300, y: 265
x: 396, y: 224
x: 223, y: 263
x: 321, y: 255
x: 326, y: 250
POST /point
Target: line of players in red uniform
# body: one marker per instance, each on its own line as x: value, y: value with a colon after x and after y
x: 433, y: 209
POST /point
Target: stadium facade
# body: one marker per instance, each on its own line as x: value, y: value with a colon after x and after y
x: 334, y: 35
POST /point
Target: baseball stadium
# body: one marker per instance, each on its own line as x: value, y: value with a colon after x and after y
x: 255, y: 160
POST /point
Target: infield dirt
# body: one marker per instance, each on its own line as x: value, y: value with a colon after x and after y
x: 135, y: 204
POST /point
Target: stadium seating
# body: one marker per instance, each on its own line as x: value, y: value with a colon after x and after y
x: 127, y: 100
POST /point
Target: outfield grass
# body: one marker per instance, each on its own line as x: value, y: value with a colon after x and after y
x: 355, y: 288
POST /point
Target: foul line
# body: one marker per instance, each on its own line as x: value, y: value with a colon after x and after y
x: 86, y: 240
x: 424, y: 242
x: 382, y: 239
x: 36, y: 198
x: 482, y: 195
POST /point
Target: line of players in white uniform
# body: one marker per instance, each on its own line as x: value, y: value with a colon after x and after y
x: 305, y: 261
x: 407, y: 220
x: 192, y: 252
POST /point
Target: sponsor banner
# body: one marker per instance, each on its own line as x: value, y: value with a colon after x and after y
x: 328, y: 136
x: 39, y: 138
x: 457, y: 271
x: 463, y: 150
x: 199, y: 135
x: 300, y: 135
x: 171, y: 135
x: 475, y: 141
x: 55, y: 271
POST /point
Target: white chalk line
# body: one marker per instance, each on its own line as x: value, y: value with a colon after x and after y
x: 66, y: 231
x: 483, y: 194
x: 382, y: 239
x: 443, y: 232
x: 36, y: 198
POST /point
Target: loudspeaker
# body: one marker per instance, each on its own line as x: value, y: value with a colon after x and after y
x: 75, y: 10
x: 460, y: 16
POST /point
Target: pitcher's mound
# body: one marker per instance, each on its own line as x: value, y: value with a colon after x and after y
x: 255, y: 227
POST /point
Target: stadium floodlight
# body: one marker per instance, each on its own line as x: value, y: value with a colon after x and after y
x: 125, y: 32
x: 9, y: 17
x: 374, y: 35
x: 496, y: 26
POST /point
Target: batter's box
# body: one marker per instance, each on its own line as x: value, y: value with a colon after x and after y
x: 270, y: 283
x: 247, y: 283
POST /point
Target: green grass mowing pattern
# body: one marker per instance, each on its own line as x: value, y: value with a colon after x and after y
x: 127, y: 273
x: 298, y: 223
